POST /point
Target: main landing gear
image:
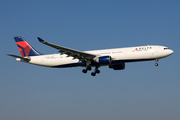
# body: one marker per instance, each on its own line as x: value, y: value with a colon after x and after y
x: 156, y: 64
x: 87, y: 68
x: 93, y: 73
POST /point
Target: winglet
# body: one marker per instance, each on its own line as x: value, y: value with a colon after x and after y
x: 40, y: 40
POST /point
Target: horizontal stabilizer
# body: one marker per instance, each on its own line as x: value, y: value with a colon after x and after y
x: 19, y: 58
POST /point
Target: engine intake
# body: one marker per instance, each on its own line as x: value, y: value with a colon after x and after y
x: 103, y: 60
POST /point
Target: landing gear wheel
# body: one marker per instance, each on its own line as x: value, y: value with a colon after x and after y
x: 84, y: 71
x: 97, y: 71
x: 93, y: 74
x: 156, y: 64
x: 88, y: 68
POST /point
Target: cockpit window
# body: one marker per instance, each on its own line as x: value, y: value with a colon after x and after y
x: 166, y: 48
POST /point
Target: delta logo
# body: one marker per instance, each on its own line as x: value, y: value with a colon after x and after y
x: 143, y: 48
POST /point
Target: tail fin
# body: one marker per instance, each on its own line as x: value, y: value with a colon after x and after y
x: 25, y: 48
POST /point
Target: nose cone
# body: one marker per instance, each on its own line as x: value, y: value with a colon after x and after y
x: 171, y: 52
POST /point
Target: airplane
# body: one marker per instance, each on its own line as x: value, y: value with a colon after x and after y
x: 114, y: 58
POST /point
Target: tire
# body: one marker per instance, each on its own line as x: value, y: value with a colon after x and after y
x: 84, y: 71
x: 156, y: 64
x: 89, y: 68
x: 93, y: 74
x: 97, y: 71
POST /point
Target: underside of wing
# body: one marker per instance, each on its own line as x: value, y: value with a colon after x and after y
x: 82, y: 56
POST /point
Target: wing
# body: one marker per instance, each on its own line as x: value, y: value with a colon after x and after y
x: 82, y: 56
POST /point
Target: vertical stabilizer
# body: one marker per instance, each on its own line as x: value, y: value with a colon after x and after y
x: 25, y: 48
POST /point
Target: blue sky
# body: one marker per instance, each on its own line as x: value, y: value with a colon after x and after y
x: 141, y: 91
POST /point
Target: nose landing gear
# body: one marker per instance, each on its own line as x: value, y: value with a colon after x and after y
x: 156, y: 64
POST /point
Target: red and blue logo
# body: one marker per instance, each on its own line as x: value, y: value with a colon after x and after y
x: 25, y: 48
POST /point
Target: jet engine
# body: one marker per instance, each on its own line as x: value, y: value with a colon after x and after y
x: 103, y: 60
x: 120, y: 66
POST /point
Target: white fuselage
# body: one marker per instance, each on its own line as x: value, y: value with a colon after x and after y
x: 129, y: 54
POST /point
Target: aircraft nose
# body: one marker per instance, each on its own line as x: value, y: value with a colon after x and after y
x: 170, y: 52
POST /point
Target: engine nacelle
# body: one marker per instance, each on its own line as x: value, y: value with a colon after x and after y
x: 103, y: 60
x: 120, y: 66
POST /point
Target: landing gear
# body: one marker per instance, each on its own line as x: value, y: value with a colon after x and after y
x: 93, y: 74
x: 87, y: 68
x: 156, y: 64
x: 95, y: 71
x: 84, y: 71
